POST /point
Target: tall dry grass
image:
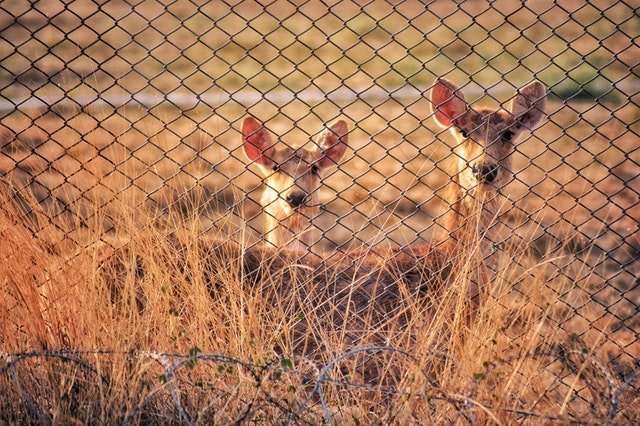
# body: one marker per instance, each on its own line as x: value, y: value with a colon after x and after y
x: 102, y: 335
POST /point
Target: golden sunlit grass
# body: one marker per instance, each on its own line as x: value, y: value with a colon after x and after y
x: 120, y: 244
x: 432, y: 357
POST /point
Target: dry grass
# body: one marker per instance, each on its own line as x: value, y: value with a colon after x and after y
x: 111, y: 171
x: 173, y: 294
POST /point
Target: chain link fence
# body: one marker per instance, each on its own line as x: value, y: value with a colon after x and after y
x: 144, y: 102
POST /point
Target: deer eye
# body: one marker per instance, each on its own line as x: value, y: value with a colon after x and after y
x: 275, y: 168
x: 507, y: 136
x: 464, y: 133
x: 315, y: 169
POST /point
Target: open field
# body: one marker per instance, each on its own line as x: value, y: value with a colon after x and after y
x: 123, y: 123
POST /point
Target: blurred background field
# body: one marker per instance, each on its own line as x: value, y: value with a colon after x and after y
x: 142, y: 102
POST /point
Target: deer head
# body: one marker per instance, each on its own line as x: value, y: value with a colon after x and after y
x: 486, y: 138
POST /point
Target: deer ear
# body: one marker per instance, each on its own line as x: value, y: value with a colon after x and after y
x: 528, y: 105
x: 257, y: 142
x: 447, y: 103
x: 333, y: 144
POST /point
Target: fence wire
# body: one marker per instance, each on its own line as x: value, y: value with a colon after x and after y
x: 197, y: 387
x: 144, y: 102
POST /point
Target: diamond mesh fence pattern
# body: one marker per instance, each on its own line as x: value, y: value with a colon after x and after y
x: 144, y: 102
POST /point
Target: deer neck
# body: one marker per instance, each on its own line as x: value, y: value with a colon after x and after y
x: 474, y: 209
x: 283, y: 229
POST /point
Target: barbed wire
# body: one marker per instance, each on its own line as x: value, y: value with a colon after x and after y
x: 465, y: 405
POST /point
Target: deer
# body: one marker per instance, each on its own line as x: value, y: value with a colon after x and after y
x: 485, y: 140
x: 292, y: 178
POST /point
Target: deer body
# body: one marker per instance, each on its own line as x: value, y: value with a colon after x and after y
x: 485, y: 140
x: 291, y: 178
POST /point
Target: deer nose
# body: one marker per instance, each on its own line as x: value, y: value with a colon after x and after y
x: 296, y: 199
x: 486, y: 173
